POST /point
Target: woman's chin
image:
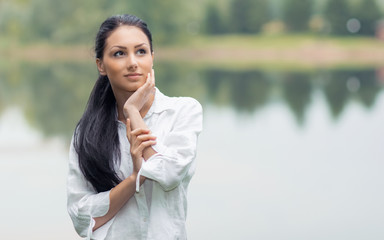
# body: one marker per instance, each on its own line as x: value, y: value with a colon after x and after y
x: 134, y: 86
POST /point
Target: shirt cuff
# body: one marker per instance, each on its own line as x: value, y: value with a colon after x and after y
x: 143, y: 164
x: 138, y: 176
x: 91, y: 225
x: 138, y: 181
x: 100, y: 204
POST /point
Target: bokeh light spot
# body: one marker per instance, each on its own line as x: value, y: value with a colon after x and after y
x: 353, y: 25
x: 353, y: 84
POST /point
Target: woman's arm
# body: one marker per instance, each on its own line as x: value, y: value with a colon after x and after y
x: 137, y: 123
x: 169, y: 161
x: 132, y: 109
x: 176, y: 149
x: 118, y: 196
x: 140, y: 139
x: 83, y: 203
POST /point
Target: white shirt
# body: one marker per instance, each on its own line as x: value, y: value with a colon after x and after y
x: 158, y: 210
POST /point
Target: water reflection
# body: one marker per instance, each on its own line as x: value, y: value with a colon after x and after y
x: 54, y: 95
x: 296, y: 91
x: 242, y: 90
x: 250, y: 90
x: 338, y: 89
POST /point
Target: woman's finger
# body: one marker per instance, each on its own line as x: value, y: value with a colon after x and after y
x: 153, y: 77
x: 145, y: 137
x: 138, y: 150
x: 139, y: 131
x: 148, y: 81
x: 149, y: 77
x: 145, y: 144
x: 128, y: 126
x: 140, y: 139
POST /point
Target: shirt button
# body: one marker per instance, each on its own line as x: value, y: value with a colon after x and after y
x: 144, y: 219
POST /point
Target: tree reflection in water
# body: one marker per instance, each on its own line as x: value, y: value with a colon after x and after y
x: 54, y: 95
x: 296, y: 92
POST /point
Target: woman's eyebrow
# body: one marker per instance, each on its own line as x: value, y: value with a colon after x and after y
x: 141, y: 44
x: 136, y: 46
x: 118, y: 47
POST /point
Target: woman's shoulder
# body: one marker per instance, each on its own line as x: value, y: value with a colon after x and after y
x: 186, y: 112
x: 184, y: 103
x: 176, y: 103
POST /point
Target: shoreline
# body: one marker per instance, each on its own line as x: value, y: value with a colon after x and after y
x: 305, y: 52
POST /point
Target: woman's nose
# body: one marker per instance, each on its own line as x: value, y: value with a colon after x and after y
x: 131, y: 62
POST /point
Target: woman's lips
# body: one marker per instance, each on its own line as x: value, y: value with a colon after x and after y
x: 133, y: 76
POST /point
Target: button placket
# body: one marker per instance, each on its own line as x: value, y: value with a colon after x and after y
x: 143, y: 211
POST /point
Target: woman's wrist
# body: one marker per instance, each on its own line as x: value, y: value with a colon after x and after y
x: 134, y: 175
x: 129, y: 109
x: 136, y: 165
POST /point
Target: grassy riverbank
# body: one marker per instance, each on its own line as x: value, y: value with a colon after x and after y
x: 304, y: 51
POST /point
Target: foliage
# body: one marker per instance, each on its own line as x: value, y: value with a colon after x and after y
x: 67, y: 22
x: 73, y: 21
x: 166, y: 19
x: 214, y: 23
x: 248, y: 16
x: 368, y: 13
x: 297, y: 14
x: 338, y: 12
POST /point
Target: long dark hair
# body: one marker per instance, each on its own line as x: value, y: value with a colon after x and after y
x: 96, y: 139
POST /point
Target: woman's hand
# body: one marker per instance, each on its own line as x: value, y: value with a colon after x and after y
x: 139, y: 139
x: 141, y: 95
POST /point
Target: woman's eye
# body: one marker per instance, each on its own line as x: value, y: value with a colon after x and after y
x: 118, y: 53
x: 141, y: 51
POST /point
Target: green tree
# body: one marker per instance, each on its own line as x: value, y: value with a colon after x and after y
x: 248, y: 16
x: 338, y: 12
x: 368, y: 13
x: 214, y: 21
x: 297, y: 14
x: 47, y: 17
x: 78, y: 21
x: 167, y: 20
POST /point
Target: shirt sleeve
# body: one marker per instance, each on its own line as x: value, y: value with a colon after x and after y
x: 83, y: 202
x: 177, y: 150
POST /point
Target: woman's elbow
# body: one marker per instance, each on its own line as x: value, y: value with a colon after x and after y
x: 172, y: 181
x: 81, y: 223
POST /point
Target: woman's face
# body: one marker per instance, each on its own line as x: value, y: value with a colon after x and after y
x: 127, y: 59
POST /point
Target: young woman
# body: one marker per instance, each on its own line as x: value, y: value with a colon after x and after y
x: 132, y: 154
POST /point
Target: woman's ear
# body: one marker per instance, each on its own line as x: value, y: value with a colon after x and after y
x: 100, y: 66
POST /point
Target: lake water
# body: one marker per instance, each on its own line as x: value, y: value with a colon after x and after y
x: 283, y: 155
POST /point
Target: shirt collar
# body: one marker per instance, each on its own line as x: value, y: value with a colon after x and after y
x: 160, y: 103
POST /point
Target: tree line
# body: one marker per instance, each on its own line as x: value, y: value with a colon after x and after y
x: 336, y: 17
x: 72, y: 21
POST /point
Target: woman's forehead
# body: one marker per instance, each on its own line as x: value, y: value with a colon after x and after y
x: 126, y: 36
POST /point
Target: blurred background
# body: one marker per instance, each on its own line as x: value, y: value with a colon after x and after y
x: 293, y: 100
